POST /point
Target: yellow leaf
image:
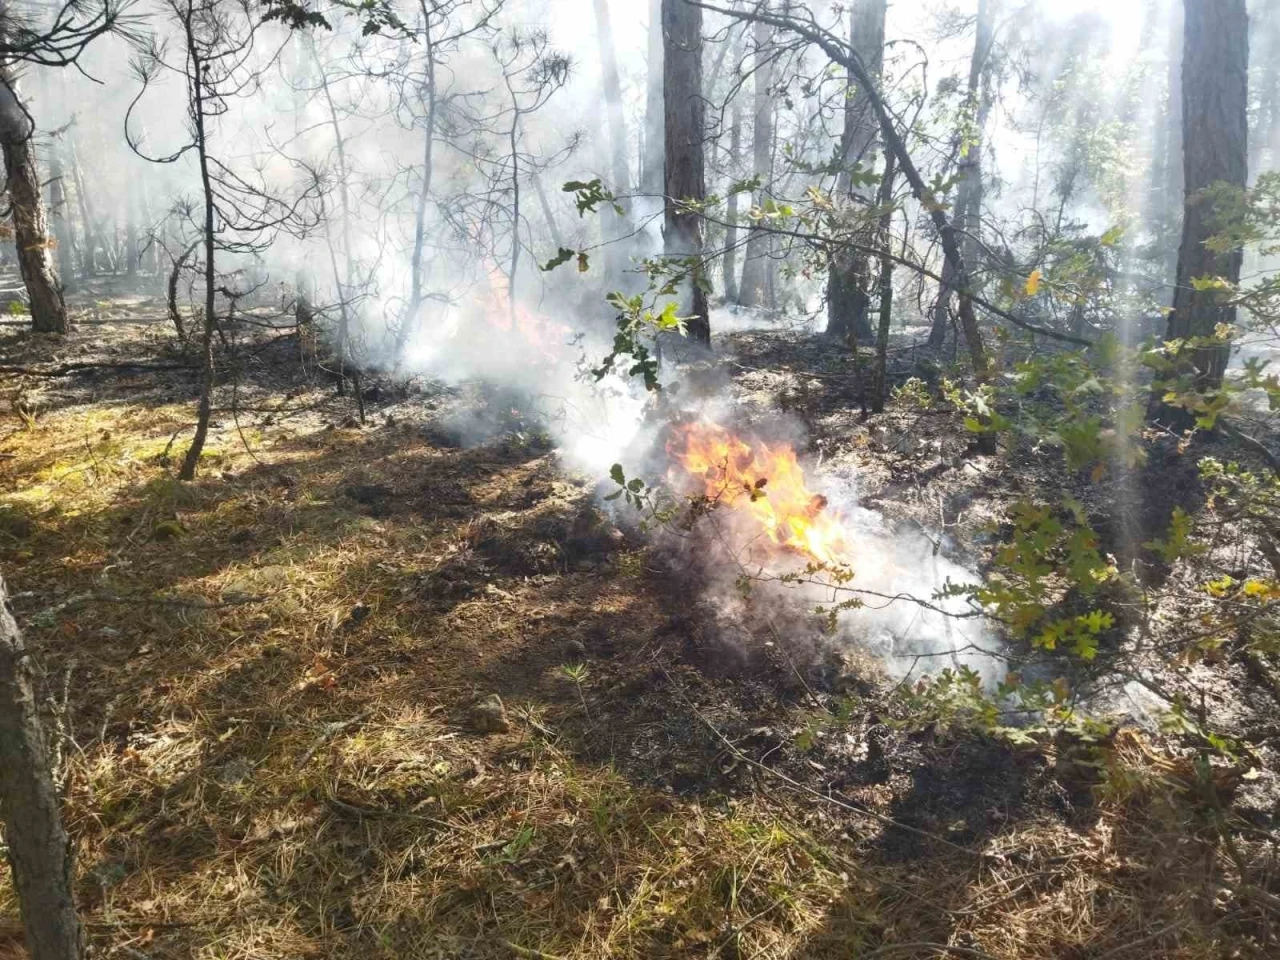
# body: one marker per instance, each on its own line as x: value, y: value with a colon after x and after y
x: 1033, y: 283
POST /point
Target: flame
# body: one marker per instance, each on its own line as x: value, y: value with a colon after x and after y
x: 547, y: 337
x: 761, y: 481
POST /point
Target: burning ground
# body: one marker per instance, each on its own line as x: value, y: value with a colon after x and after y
x: 275, y: 690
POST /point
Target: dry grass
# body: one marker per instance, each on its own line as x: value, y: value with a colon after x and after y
x: 266, y: 686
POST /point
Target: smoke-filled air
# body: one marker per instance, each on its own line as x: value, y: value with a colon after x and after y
x: 575, y: 479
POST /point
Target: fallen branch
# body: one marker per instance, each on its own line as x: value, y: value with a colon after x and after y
x: 66, y: 369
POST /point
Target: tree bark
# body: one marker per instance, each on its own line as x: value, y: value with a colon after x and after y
x: 39, y: 852
x: 1215, y: 95
x: 753, y: 289
x: 30, y: 232
x: 879, y: 376
x: 683, y: 112
x: 967, y: 216
x: 848, y: 277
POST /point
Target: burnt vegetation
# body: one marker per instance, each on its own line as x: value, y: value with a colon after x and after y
x: 696, y: 478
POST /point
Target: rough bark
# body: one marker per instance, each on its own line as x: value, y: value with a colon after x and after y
x: 967, y: 216
x: 1215, y: 88
x: 848, y: 277
x: 30, y: 232
x: 685, y: 179
x: 753, y: 289
x: 39, y: 852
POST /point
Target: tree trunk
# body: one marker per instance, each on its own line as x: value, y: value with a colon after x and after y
x: 652, y: 163
x: 967, y: 216
x: 848, y: 277
x: 879, y: 377
x: 753, y: 289
x: 62, y: 232
x: 613, y: 100
x: 683, y: 112
x: 730, y: 261
x: 417, y: 294
x: 204, y: 409
x: 30, y: 233
x: 1215, y: 94
x: 39, y: 852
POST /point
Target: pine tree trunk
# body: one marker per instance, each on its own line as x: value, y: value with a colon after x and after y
x: 683, y: 111
x: 848, y: 278
x: 1215, y: 95
x: 39, y: 852
x: 30, y: 233
x: 753, y: 289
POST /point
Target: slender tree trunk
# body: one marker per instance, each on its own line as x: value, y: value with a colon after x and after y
x: 62, y: 232
x: 753, y: 290
x: 1264, y: 30
x: 39, y: 852
x: 683, y: 112
x: 613, y: 100
x: 967, y: 216
x: 652, y: 177
x: 205, y: 407
x: 48, y: 311
x: 1215, y: 100
x: 417, y: 268
x: 548, y: 214
x: 730, y: 260
x: 879, y: 377
x: 89, y: 228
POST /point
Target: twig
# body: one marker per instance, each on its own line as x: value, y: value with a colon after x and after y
x: 530, y: 952
x: 330, y: 731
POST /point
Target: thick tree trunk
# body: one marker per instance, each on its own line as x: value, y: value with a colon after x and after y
x: 39, y: 852
x: 683, y: 111
x: 1215, y: 95
x: 30, y: 233
x: 967, y: 216
x: 654, y: 158
x: 753, y: 290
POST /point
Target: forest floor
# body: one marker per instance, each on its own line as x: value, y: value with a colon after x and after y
x: 265, y: 684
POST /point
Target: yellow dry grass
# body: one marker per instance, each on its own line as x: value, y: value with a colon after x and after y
x: 255, y: 770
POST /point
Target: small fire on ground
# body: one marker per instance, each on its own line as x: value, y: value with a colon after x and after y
x: 761, y: 482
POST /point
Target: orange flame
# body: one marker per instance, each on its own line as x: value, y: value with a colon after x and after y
x: 544, y: 335
x: 763, y: 482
